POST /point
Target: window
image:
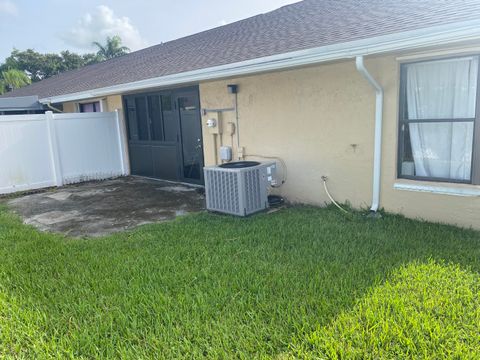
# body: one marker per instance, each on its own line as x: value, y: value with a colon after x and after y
x: 438, y: 121
x: 90, y: 107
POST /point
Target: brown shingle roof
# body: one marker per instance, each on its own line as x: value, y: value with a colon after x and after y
x: 303, y: 25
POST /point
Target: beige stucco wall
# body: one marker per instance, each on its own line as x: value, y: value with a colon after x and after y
x: 69, y: 107
x: 114, y: 102
x: 110, y: 103
x: 320, y: 121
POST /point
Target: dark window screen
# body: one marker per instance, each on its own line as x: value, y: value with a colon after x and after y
x: 156, y: 118
x: 90, y: 107
x: 170, y: 124
x: 142, y: 118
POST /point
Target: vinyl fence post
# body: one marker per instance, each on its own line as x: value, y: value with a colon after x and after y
x: 53, y: 146
x: 120, y: 142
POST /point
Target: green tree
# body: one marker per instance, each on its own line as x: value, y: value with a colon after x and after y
x: 70, y: 60
x: 37, y: 66
x: 41, y: 66
x: 112, y: 48
x: 13, y: 79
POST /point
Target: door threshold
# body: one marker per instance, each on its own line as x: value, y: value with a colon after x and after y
x: 170, y: 181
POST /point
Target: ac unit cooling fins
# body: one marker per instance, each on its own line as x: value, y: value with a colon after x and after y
x: 238, y: 188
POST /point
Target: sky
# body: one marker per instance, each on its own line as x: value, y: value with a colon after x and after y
x: 55, y: 25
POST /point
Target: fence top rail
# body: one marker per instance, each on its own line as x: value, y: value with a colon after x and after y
x: 97, y: 115
x: 27, y: 117
x: 62, y: 116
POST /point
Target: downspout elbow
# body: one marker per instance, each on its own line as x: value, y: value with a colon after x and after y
x: 363, y: 70
x: 49, y: 105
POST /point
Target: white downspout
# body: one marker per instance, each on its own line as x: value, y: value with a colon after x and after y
x: 377, y: 159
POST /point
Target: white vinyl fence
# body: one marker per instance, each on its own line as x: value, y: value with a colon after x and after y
x: 38, y: 151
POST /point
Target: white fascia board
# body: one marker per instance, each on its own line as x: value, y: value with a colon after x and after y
x: 408, y: 40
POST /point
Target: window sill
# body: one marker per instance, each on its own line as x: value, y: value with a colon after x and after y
x: 435, y: 188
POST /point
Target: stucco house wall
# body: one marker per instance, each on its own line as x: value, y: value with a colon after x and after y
x: 320, y: 121
x: 70, y: 107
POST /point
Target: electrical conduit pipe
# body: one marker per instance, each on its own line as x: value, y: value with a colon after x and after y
x: 377, y: 157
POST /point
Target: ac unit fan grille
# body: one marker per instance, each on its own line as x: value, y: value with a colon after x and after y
x: 223, y: 187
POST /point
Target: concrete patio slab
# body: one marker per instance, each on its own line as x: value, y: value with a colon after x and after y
x: 101, y: 208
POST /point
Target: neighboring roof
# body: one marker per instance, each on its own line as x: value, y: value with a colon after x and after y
x: 29, y: 103
x: 304, y: 25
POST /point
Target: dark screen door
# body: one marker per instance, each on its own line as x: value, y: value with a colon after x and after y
x: 165, y: 135
x: 191, y: 132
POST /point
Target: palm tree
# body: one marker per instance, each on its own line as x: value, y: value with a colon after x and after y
x: 112, y: 48
x: 13, y: 79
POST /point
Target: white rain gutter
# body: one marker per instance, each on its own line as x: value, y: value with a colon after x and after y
x: 377, y: 157
x: 408, y: 40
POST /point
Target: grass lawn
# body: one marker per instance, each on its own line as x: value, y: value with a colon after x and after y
x: 301, y: 283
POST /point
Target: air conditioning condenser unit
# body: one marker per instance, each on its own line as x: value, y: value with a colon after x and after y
x: 238, y: 188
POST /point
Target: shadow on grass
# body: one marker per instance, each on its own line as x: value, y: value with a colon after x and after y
x: 206, y: 285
